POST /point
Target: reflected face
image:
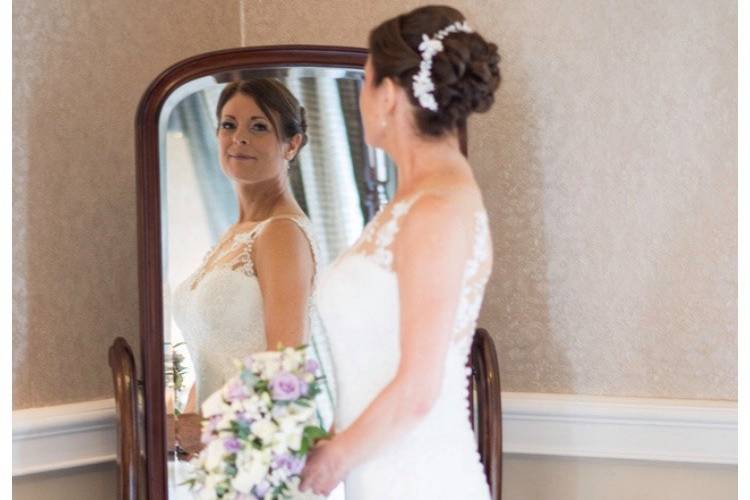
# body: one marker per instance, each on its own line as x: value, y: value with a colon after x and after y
x: 249, y: 150
x: 368, y: 99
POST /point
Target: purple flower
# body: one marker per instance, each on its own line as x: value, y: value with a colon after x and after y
x: 311, y: 366
x: 236, y: 390
x: 289, y: 462
x: 285, y: 387
x: 261, y: 488
x: 232, y: 445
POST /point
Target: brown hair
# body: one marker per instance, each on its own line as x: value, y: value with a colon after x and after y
x: 465, y: 73
x: 275, y: 100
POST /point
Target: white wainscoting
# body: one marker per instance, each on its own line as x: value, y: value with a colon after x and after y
x: 65, y: 436
x: 670, y: 430
x: 61, y: 437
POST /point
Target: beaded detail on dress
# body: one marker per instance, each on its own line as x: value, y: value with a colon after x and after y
x: 219, y: 308
x: 358, y: 301
x: 382, y: 236
x: 474, y: 280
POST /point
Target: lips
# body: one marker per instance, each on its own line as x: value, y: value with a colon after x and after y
x: 239, y: 156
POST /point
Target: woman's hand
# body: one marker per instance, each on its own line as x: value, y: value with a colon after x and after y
x: 325, y: 468
x: 188, y: 431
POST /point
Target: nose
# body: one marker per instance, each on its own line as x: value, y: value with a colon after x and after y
x: 239, y: 138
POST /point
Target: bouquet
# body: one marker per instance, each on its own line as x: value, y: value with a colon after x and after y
x: 258, y: 428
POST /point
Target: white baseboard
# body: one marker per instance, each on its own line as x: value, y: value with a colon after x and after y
x: 693, y: 431
x: 65, y: 436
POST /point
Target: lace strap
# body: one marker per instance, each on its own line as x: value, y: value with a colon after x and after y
x: 475, y: 276
x: 382, y: 234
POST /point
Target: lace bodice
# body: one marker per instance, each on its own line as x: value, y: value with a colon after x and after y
x: 358, y: 300
x: 219, y: 308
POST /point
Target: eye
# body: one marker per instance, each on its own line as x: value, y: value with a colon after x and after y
x: 259, y: 127
x: 227, y: 125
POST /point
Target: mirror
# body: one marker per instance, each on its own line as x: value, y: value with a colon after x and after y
x: 186, y: 205
x: 327, y: 180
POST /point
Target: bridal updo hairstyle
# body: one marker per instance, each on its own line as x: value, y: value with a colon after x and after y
x: 276, y: 101
x: 465, y: 73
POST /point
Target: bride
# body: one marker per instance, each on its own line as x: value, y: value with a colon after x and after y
x: 400, y: 343
x: 251, y: 293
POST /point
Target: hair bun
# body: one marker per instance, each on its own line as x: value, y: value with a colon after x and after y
x: 465, y: 73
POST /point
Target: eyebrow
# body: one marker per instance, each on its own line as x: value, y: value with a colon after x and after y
x: 252, y: 117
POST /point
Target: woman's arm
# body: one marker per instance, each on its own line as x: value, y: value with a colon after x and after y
x: 429, y: 257
x: 284, y: 265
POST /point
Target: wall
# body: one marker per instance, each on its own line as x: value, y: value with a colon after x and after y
x: 79, y: 70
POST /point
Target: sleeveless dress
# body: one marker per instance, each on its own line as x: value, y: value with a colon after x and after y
x: 358, y: 301
x: 220, y: 313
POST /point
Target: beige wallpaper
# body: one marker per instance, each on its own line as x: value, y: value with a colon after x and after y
x: 528, y: 477
x: 608, y: 164
x: 79, y: 70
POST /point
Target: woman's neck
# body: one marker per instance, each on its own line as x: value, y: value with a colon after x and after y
x: 418, y: 159
x: 259, y: 201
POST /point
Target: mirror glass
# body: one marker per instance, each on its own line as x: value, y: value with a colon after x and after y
x: 337, y: 180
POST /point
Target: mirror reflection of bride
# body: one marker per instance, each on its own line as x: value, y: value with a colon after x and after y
x: 252, y: 291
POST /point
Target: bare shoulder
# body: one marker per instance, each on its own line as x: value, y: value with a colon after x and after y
x: 452, y: 198
x: 282, y: 236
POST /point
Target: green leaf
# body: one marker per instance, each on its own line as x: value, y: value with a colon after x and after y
x: 310, y: 435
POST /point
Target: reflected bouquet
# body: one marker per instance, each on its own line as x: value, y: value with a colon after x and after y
x: 258, y: 428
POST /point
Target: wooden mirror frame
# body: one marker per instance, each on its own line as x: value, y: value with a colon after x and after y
x: 122, y: 363
x: 149, y: 211
x: 486, y: 416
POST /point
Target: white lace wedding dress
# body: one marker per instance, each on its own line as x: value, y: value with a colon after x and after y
x: 219, y: 310
x: 358, y: 301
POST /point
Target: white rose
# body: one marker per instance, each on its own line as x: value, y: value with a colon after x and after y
x: 265, y: 398
x: 278, y: 476
x: 291, y: 431
x: 300, y: 413
x: 214, y: 454
x: 264, y: 429
x: 244, y: 481
x: 223, y: 426
x: 208, y: 492
x: 294, y: 439
x: 292, y: 359
x: 269, y: 370
x: 258, y: 466
x: 262, y: 457
x: 279, y: 444
x: 214, y: 404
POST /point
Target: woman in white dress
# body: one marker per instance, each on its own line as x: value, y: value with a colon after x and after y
x: 252, y: 292
x: 400, y: 306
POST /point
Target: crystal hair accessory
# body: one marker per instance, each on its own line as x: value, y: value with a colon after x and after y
x: 423, y: 85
